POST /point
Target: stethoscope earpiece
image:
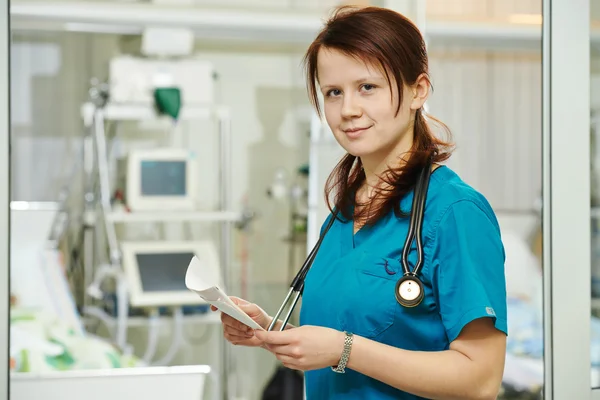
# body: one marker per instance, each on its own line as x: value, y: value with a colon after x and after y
x: 409, y: 291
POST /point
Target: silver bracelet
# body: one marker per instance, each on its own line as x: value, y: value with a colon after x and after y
x: 341, y: 367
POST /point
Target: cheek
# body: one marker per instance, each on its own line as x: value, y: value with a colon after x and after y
x: 391, y: 126
x: 330, y: 109
x: 332, y: 116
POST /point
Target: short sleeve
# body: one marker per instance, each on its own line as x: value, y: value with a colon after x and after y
x: 324, y: 224
x: 467, y: 268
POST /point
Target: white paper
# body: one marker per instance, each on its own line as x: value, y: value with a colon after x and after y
x: 205, y: 282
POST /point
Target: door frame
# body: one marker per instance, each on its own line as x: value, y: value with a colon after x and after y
x: 566, y: 198
x: 4, y: 197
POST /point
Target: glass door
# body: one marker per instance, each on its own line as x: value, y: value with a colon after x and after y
x: 4, y: 197
x: 594, y: 96
x: 570, y: 366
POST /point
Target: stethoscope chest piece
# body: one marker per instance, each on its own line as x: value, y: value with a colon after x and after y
x: 409, y: 291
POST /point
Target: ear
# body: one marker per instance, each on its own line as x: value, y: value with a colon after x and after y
x: 420, y: 92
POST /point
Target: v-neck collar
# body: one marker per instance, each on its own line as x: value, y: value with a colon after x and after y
x: 353, y: 240
x: 347, y: 242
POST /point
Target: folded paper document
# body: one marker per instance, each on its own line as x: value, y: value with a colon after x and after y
x: 205, y: 282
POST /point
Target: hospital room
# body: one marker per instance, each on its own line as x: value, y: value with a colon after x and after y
x: 169, y: 169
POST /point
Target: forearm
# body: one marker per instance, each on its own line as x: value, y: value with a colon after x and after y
x: 442, y: 375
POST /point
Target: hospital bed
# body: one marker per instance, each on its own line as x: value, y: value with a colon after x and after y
x: 524, y: 370
x: 52, y: 356
x: 181, y: 383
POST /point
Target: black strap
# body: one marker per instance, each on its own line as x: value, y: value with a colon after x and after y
x: 298, y: 282
x: 415, y: 226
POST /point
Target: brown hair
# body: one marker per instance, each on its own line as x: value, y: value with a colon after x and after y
x: 387, y: 39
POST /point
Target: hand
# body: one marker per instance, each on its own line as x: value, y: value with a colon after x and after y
x: 304, y: 348
x: 238, y: 333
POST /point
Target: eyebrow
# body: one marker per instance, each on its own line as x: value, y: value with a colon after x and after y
x: 356, y: 82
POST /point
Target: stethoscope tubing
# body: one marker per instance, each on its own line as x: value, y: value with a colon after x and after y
x: 414, y: 229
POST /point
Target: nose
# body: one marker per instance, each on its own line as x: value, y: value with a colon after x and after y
x: 351, y: 107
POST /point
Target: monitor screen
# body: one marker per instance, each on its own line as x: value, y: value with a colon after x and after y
x: 163, y: 272
x: 163, y: 178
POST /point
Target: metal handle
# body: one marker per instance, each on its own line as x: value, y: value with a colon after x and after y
x: 276, y: 317
x: 290, y: 310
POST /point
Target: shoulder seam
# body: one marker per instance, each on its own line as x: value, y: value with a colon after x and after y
x: 434, y: 227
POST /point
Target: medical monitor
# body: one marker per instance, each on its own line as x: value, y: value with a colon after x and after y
x: 161, y: 179
x: 155, y: 271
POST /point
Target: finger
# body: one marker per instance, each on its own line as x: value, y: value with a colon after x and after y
x: 238, y: 338
x: 237, y: 332
x: 291, y: 351
x: 290, y: 362
x: 239, y: 301
x: 234, y: 323
x: 252, y: 310
x: 275, y: 337
x: 287, y: 350
x: 242, y: 341
x: 236, y: 300
x: 287, y: 360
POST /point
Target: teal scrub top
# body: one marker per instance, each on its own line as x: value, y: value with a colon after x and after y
x: 351, y: 284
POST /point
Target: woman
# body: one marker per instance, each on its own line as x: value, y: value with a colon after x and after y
x: 371, y: 66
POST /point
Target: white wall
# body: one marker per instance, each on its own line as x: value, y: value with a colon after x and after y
x: 492, y: 104
x: 267, y: 4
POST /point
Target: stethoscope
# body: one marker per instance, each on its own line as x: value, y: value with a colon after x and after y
x: 409, y: 290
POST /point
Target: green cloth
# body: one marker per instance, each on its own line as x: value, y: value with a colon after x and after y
x: 168, y: 101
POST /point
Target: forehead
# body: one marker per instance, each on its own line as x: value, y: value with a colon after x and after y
x: 336, y: 67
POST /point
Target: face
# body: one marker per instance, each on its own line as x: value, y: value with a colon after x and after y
x: 360, y: 107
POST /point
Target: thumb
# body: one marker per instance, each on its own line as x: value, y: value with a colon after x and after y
x: 249, y: 308
x: 254, y: 312
x: 238, y: 301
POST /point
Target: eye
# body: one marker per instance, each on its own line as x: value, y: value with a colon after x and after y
x: 368, y: 87
x: 333, y: 92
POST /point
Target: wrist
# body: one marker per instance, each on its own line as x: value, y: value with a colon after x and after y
x: 346, y: 340
x: 338, y: 349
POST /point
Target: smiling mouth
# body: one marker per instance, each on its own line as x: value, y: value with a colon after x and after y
x: 356, y: 130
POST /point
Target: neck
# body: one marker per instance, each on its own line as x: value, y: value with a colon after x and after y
x: 375, y: 165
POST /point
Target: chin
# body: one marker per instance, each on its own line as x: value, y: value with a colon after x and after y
x: 359, y: 151
x: 361, y: 147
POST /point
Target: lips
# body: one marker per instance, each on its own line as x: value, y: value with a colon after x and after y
x: 354, y: 132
